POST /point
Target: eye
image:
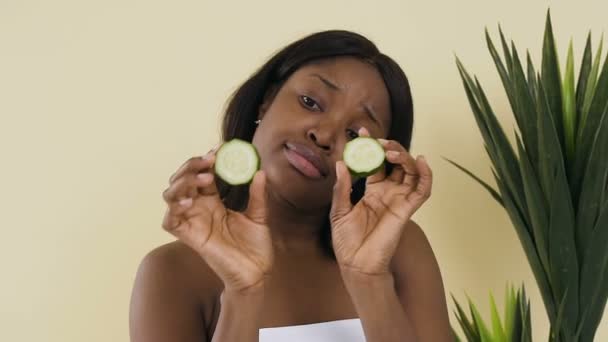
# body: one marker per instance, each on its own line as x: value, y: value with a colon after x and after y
x: 310, y: 103
x: 352, y: 134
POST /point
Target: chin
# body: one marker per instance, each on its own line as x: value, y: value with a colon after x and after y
x: 298, y: 191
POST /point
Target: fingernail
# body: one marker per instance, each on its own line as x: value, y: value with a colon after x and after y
x: 211, y: 151
x: 382, y: 141
x: 186, y: 202
x: 392, y: 154
x: 423, y: 158
x: 205, y: 177
x: 338, y: 171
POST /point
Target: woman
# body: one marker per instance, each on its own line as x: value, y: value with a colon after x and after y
x: 304, y: 242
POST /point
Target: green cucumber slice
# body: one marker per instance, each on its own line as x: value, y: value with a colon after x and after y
x: 363, y: 156
x: 236, y: 162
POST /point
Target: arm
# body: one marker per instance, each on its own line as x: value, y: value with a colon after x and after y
x: 420, y: 287
x: 238, y: 319
x: 408, y: 306
x: 377, y: 304
x: 163, y: 307
x: 168, y: 302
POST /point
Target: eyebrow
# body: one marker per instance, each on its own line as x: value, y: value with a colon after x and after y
x: 370, y: 113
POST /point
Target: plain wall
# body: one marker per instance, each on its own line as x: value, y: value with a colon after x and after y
x: 101, y: 101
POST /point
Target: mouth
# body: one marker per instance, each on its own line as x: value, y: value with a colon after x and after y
x: 305, y: 160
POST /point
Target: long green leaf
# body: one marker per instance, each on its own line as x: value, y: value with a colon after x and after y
x: 595, y: 278
x: 518, y: 316
x: 526, y: 333
x: 556, y: 332
x: 526, y: 108
x: 527, y: 243
x: 531, y: 77
x: 505, y: 49
x: 583, y: 80
x: 569, y: 107
x: 497, y: 330
x: 548, y: 145
x: 475, y: 107
x: 469, y: 330
x: 500, y: 67
x: 592, y: 223
x: 590, y: 89
x: 537, y: 208
x: 507, y: 160
x: 551, y: 77
x: 501, y: 152
x: 562, y: 252
x: 484, y: 333
x: 485, y: 185
x: 562, y: 249
x: 510, y: 306
x: 593, y: 182
x: 592, y: 123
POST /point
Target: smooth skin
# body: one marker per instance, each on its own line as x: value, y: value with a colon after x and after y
x: 231, y: 273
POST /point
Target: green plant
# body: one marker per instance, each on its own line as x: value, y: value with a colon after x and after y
x: 515, y: 326
x: 555, y: 189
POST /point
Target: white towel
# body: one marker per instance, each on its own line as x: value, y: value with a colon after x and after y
x: 347, y: 330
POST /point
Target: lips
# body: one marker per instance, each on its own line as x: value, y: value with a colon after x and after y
x: 306, y: 160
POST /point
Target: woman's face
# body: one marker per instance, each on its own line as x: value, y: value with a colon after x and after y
x: 312, y: 116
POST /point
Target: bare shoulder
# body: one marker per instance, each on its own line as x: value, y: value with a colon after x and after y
x: 174, y: 295
x: 180, y: 261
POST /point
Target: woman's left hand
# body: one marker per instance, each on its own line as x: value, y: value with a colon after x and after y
x: 365, y: 236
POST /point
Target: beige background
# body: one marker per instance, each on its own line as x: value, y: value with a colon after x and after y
x: 101, y: 101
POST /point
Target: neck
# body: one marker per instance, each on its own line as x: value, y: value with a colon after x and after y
x: 294, y: 229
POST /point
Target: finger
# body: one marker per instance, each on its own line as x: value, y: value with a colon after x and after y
x: 177, y: 220
x: 379, y: 176
x: 341, y: 205
x: 208, y: 187
x: 194, y: 165
x: 173, y: 218
x: 424, y: 186
x: 190, y: 230
x: 186, y: 187
x: 392, y: 145
x: 256, y: 208
x: 405, y: 171
x: 404, y: 162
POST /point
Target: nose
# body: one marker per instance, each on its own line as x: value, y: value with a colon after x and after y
x: 323, y: 135
x: 316, y: 138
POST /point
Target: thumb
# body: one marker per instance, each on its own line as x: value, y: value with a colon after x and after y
x: 340, y: 204
x: 256, y: 207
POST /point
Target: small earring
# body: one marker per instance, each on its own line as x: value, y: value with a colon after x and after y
x: 257, y: 122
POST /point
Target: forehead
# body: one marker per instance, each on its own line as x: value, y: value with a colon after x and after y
x: 358, y: 80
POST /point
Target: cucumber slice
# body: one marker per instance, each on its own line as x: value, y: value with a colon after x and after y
x: 236, y: 161
x: 363, y: 156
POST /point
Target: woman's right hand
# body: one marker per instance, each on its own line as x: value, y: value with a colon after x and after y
x: 237, y: 246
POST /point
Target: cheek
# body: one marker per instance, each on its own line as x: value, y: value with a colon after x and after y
x: 285, y: 109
